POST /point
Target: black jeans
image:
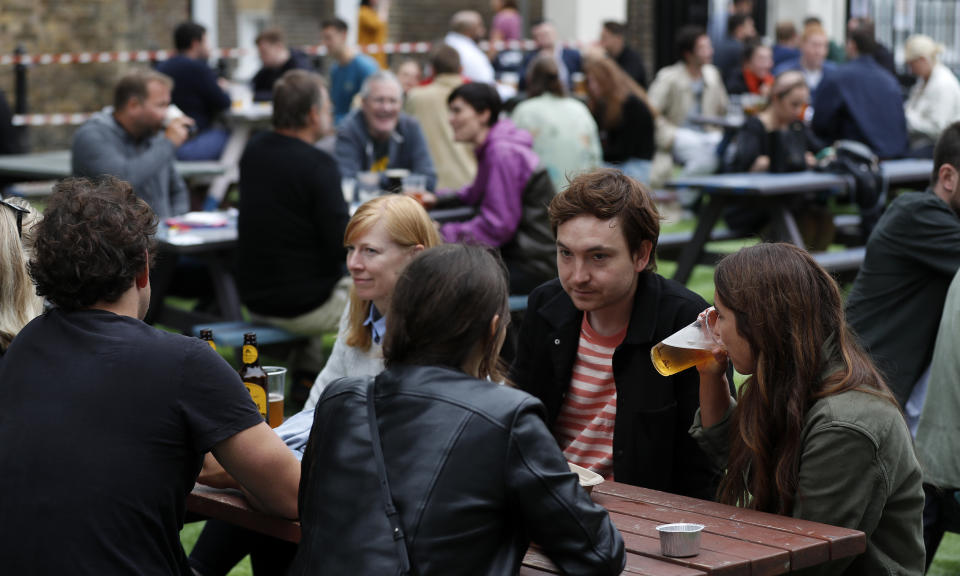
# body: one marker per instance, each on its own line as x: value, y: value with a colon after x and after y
x: 221, y: 545
x: 941, y: 513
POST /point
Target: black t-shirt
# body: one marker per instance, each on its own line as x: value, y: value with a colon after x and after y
x: 633, y: 137
x: 104, y: 425
x: 291, y: 224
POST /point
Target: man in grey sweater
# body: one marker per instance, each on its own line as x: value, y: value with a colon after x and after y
x: 128, y: 140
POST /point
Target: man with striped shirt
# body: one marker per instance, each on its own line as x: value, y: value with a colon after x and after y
x: 585, y: 342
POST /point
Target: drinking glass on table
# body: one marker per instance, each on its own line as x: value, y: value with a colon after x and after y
x: 368, y: 186
x: 415, y: 185
x: 348, y: 186
x: 276, y: 391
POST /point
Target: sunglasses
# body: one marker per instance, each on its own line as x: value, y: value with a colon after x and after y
x: 19, y: 211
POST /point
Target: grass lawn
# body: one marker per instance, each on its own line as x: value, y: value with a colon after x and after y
x: 947, y: 561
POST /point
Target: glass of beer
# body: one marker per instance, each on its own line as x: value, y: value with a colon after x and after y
x: 688, y: 347
x: 276, y: 386
x: 415, y: 185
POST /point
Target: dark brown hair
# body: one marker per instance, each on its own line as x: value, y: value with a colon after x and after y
x: 93, y: 241
x: 786, y: 307
x: 614, y: 27
x: 543, y: 76
x: 947, y: 151
x: 442, y: 306
x: 271, y: 36
x: 294, y: 95
x: 607, y: 194
x: 444, y: 59
x: 135, y: 85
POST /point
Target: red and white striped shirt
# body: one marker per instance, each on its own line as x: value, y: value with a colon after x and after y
x: 584, y: 427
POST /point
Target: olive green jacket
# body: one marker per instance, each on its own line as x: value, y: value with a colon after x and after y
x: 857, y: 470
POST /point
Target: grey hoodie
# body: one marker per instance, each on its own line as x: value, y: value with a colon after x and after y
x: 102, y: 146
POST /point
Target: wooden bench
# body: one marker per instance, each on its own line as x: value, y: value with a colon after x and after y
x: 670, y: 245
x: 842, y: 265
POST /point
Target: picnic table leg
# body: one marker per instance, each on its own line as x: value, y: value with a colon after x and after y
x: 230, y: 159
x: 225, y: 289
x: 709, y: 214
x: 785, y: 226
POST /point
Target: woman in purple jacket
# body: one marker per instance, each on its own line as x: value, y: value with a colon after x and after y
x: 511, y: 190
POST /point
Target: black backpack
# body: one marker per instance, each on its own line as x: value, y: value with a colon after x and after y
x: 858, y: 161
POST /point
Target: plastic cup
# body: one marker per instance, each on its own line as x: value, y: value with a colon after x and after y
x: 276, y: 392
x: 368, y: 186
x: 415, y: 185
x: 687, y: 347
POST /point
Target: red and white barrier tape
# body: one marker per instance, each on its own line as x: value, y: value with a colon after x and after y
x: 50, y: 119
x: 157, y: 55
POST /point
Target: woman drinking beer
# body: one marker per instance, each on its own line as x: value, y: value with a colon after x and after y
x: 814, y: 433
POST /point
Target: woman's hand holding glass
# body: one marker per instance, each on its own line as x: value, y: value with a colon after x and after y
x: 714, y: 387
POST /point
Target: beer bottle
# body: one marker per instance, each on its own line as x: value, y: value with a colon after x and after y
x: 207, y: 336
x: 253, y: 376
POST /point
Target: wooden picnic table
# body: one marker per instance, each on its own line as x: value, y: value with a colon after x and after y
x: 216, y: 248
x: 776, y: 193
x: 735, y: 541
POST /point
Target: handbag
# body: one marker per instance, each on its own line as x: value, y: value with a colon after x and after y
x: 393, y: 515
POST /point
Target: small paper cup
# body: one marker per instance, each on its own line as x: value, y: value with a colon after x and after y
x: 680, y: 540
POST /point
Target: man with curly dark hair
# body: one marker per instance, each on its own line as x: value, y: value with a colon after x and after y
x: 107, y: 420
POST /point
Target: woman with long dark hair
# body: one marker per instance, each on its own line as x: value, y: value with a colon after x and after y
x: 814, y: 433
x: 624, y: 115
x: 468, y: 464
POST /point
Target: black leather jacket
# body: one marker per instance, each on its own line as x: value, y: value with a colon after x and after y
x: 473, y: 471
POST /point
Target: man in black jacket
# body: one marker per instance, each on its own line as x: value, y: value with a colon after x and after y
x: 585, y: 342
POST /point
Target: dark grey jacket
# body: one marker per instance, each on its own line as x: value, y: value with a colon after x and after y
x: 408, y: 148
x: 103, y: 147
x: 472, y: 468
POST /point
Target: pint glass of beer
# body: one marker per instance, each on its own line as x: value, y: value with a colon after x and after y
x: 687, y: 347
x: 276, y: 384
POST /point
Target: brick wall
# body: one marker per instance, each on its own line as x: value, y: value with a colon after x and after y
x: 54, y: 26
x: 641, y: 29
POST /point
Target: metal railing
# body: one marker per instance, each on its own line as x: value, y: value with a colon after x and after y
x: 896, y: 20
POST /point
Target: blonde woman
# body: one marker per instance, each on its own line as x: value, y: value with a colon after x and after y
x: 19, y: 303
x: 934, y: 101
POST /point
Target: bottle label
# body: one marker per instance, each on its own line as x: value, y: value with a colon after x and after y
x: 249, y: 354
x: 259, y: 396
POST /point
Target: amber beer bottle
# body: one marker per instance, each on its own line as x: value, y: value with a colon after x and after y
x: 207, y: 336
x: 253, y: 375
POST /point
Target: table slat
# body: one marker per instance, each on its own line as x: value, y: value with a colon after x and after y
x: 804, y: 551
x: 636, y: 564
x: 843, y: 541
x: 762, y: 560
